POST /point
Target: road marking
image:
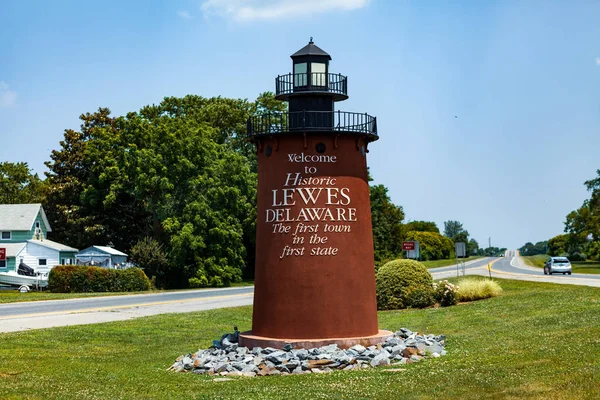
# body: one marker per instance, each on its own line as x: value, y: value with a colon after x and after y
x: 542, y: 276
x: 85, y: 310
x: 466, y: 268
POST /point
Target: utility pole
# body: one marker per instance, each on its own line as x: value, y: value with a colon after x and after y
x: 490, y: 245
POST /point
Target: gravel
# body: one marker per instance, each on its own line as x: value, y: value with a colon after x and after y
x: 227, y: 358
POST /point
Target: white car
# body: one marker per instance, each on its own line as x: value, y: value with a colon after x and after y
x: 557, y: 264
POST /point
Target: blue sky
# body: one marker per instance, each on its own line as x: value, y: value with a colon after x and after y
x: 521, y: 77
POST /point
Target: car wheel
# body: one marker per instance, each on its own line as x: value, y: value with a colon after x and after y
x: 545, y: 271
x: 549, y: 272
x: 564, y: 273
x: 569, y: 273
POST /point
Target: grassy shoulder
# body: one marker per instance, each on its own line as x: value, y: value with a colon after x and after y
x: 13, y: 296
x: 535, y: 261
x: 580, y: 267
x: 446, y: 263
x: 512, y: 346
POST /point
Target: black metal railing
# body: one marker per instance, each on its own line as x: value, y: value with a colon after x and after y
x: 301, y: 121
x: 313, y: 82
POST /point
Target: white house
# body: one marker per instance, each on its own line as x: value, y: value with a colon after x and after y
x: 23, y: 235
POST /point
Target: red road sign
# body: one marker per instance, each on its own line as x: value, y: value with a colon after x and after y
x: 2, y: 254
x: 408, y: 245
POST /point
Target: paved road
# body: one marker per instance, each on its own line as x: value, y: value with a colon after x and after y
x: 471, y: 267
x: 51, y: 313
x: 512, y: 266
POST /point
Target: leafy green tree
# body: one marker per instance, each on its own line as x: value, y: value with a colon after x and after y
x: 530, y: 249
x: 556, y: 246
x: 199, y: 194
x: 422, y: 226
x: 387, y: 218
x: 18, y: 185
x: 453, y: 228
x: 583, y: 225
x: 432, y: 245
x: 455, y: 231
x: 78, y: 182
x: 181, y: 173
x: 149, y: 255
x: 472, y: 247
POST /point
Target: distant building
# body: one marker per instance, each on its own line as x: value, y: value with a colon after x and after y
x: 101, y: 256
x: 23, y: 233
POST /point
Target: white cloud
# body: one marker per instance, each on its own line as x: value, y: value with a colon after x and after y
x: 250, y: 10
x: 597, y: 60
x: 184, y: 14
x: 7, y: 97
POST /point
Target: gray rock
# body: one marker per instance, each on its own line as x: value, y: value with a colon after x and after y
x: 220, y: 368
x: 187, y: 362
x: 282, y: 368
x: 330, y: 348
x: 238, y: 365
x: 415, y: 358
x: 257, y: 350
x: 250, y: 368
x: 302, y: 354
x: 268, y: 350
x: 358, y: 348
x: 298, y: 370
x: 397, y: 349
x: 292, y: 364
x: 435, y: 355
x: 288, y: 347
x: 394, y: 341
x: 381, y: 359
x: 434, y: 348
x: 242, y: 351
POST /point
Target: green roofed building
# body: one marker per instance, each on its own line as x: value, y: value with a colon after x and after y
x: 24, y: 230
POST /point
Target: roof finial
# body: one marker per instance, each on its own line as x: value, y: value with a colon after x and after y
x: 311, y: 40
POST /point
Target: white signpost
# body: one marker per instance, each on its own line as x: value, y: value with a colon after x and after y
x: 460, y: 249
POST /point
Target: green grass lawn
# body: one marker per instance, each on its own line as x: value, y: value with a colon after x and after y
x: 537, y: 340
x: 586, y: 267
x: 536, y: 261
x: 446, y: 263
x: 580, y: 267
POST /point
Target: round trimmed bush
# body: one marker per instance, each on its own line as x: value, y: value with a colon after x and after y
x: 404, y: 284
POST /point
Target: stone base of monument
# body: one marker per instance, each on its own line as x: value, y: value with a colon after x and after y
x: 250, y: 341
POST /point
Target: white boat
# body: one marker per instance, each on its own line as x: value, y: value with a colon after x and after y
x: 27, y: 277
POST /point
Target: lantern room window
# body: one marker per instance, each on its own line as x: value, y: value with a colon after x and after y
x: 300, y: 71
x: 318, y: 76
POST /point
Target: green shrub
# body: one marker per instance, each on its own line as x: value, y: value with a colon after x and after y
x: 476, y: 289
x: 77, y: 279
x: 403, y: 284
x: 432, y: 245
x: 445, y: 293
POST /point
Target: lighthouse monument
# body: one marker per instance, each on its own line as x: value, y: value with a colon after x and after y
x: 314, y: 276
